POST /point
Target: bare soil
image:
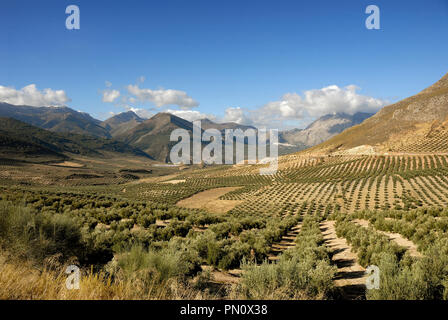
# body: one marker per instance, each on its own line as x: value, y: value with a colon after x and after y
x: 70, y: 164
x: 174, y: 181
x: 396, y: 237
x: 351, y: 277
x: 209, y: 200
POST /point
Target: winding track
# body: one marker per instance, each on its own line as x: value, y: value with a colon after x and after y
x: 351, y: 276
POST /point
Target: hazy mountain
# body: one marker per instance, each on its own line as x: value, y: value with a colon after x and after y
x: 322, y: 129
x: 122, y: 122
x: 17, y: 137
x: 415, y: 124
x: 153, y: 135
x: 208, y: 124
x: 57, y: 119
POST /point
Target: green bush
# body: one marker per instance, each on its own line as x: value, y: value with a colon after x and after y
x: 302, y: 272
x: 150, y: 266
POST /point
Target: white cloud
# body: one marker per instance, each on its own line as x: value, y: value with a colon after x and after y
x: 162, y: 97
x: 142, y: 113
x: 191, y: 115
x: 31, y: 96
x: 312, y: 104
x: 335, y: 99
x: 108, y: 84
x: 110, y: 95
x: 237, y: 115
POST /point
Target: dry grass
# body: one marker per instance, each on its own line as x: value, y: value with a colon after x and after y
x: 19, y: 280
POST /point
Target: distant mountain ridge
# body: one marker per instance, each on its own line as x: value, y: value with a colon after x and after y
x: 208, y: 124
x: 57, y: 119
x: 152, y: 136
x: 122, y: 122
x: 19, y: 138
x: 322, y: 129
x: 415, y: 124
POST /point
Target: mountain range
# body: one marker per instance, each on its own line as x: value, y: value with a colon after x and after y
x: 57, y: 119
x: 413, y: 125
x: 322, y: 129
x: 127, y: 132
x: 19, y: 139
x: 121, y: 123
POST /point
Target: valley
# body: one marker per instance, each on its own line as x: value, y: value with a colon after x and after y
x: 163, y: 231
x: 245, y: 216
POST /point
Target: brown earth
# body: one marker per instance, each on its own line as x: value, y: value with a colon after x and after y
x: 209, y: 200
x: 396, y: 237
x: 351, y: 277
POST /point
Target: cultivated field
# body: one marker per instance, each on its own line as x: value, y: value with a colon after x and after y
x: 307, y: 232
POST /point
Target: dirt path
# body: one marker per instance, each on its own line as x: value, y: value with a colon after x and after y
x: 288, y: 241
x: 174, y: 181
x: 351, y: 276
x: 69, y: 164
x: 396, y: 237
x: 209, y: 200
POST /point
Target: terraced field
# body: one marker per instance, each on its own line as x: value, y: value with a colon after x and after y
x: 333, y: 186
x: 312, y: 228
x: 347, y: 184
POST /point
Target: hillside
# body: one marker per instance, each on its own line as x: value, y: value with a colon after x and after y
x: 122, y: 122
x: 57, y: 119
x: 322, y: 129
x: 208, y: 124
x: 19, y: 138
x: 415, y: 124
x: 13, y: 147
x: 153, y: 135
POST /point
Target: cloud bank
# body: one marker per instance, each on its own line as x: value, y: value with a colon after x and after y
x: 31, y: 96
x: 110, y: 95
x: 291, y: 110
x: 311, y: 104
x: 163, y: 97
x: 191, y: 115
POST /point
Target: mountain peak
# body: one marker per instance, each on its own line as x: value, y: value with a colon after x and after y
x: 124, y: 117
x: 415, y: 124
x: 322, y: 129
x: 122, y: 122
x: 58, y: 119
x: 442, y: 84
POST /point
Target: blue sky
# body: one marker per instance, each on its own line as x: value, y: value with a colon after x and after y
x: 244, y: 55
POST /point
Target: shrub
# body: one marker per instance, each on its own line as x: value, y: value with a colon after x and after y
x: 302, y: 272
x: 149, y: 267
x: 39, y: 236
